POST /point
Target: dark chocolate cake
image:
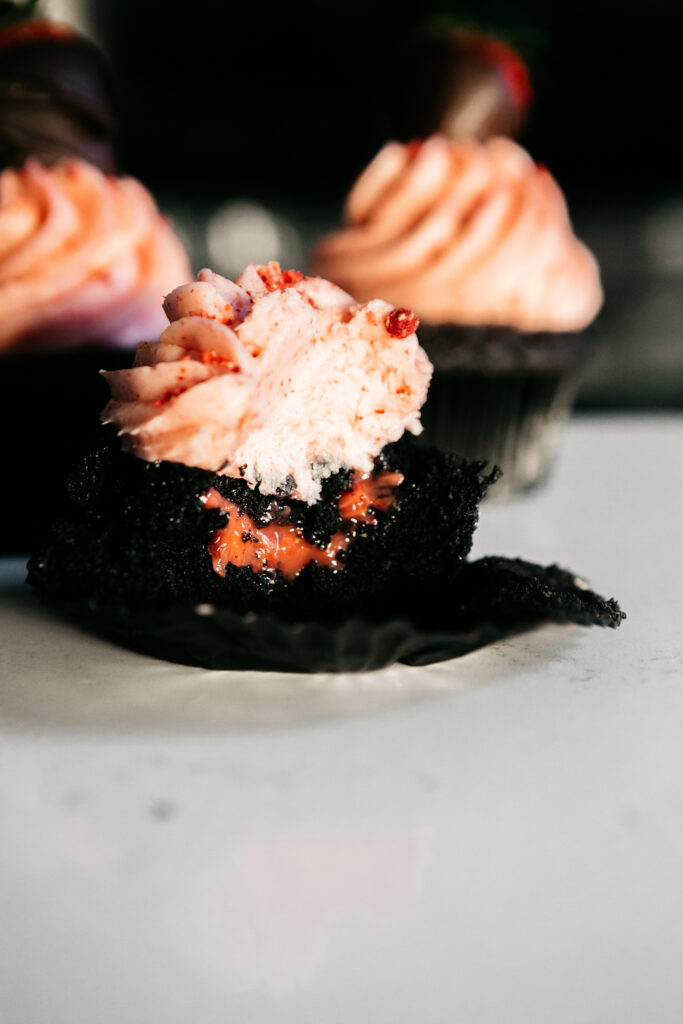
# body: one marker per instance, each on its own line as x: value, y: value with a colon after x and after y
x: 509, y: 591
x: 129, y: 556
x: 138, y: 533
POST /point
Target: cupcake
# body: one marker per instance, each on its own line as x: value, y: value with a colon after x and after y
x: 265, y: 504
x: 476, y: 239
x: 85, y: 260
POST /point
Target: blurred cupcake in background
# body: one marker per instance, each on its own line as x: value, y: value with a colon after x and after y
x: 467, y: 231
x: 85, y: 258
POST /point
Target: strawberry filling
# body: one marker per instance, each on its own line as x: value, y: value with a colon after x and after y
x: 281, y: 546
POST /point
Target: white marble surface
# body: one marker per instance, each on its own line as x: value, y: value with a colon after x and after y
x: 494, y: 839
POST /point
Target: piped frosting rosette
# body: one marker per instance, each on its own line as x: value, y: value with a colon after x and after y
x: 464, y: 232
x: 278, y: 379
x: 83, y: 257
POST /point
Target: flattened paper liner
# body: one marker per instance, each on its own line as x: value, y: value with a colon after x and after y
x: 491, y: 599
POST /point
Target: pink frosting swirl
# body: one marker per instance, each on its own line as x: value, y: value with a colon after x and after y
x: 278, y: 379
x: 464, y: 232
x: 83, y: 257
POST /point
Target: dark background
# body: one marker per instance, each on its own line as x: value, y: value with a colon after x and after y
x: 237, y: 93
x: 280, y: 105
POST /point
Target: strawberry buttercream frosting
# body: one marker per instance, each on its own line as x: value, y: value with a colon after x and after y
x: 276, y: 378
x: 83, y: 257
x: 464, y: 232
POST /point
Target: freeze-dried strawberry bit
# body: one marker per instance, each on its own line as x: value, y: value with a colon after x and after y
x: 292, y: 277
x: 401, y: 322
x: 276, y: 279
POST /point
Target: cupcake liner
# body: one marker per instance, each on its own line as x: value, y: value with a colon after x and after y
x: 503, y: 396
x: 492, y: 598
x: 217, y: 638
x: 49, y: 415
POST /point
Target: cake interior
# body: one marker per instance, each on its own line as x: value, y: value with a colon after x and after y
x: 147, y: 535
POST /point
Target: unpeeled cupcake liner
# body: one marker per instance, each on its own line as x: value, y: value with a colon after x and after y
x: 49, y: 415
x: 491, y: 599
x: 502, y: 395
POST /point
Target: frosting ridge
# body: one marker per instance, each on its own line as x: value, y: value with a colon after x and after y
x: 83, y: 257
x: 464, y: 232
x: 276, y: 378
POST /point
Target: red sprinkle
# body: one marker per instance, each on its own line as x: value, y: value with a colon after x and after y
x: 292, y: 276
x: 401, y: 322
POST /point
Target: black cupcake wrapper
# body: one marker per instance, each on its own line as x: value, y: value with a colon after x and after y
x: 500, y: 350
x: 502, y: 396
x: 220, y: 639
x: 496, y: 598
x: 512, y: 420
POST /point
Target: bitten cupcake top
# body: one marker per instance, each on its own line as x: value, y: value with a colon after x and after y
x: 277, y: 379
x: 83, y: 257
x: 464, y: 232
x: 270, y: 487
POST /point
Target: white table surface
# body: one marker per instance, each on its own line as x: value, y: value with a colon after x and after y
x: 493, y: 840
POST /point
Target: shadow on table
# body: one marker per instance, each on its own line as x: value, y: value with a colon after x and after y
x: 55, y: 674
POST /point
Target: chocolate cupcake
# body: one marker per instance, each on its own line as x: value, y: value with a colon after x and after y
x: 476, y: 239
x: 85, y: 260
x: 267, y: 506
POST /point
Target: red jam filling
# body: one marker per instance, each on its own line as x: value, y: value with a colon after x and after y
x: 280, y: 546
